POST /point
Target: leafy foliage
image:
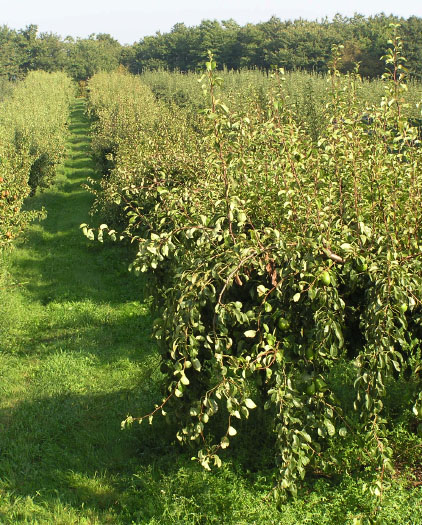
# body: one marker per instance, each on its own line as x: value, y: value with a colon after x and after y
x: 277, y: 259
x: 33, y: 124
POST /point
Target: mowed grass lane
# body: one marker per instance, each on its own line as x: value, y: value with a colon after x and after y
x: 76, y: 357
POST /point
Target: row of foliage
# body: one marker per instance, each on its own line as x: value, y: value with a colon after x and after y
x: 287, y: 271
x: 307, y: 94
x: 27, y: 50
x: 33, y: 125
x: 298, y: 44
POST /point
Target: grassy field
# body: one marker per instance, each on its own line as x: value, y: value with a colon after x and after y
x: 76, y: 357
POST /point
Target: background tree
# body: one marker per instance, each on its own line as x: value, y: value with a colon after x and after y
x: 97, y: 53
x: 298, y: 44
x: 10, y: 53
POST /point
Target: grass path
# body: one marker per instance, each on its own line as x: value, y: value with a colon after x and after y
x: 76, y: 357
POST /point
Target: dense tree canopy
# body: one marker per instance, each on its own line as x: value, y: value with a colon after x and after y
x: 27, y: 50
x: 298, y: 44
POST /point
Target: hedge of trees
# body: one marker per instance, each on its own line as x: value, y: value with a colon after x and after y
x: 27, y: 50
x: 33, y: 129
x: 298, y: 44
x: 285, y: 268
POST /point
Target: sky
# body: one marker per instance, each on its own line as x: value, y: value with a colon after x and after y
x: 130, y: 20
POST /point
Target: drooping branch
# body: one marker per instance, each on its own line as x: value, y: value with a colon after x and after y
x: 333, y: 256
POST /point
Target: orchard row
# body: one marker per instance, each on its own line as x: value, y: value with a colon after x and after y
x: 33, y: 130
x: 286, y: 267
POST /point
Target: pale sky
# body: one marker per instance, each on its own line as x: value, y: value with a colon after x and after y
x: 130, y: 20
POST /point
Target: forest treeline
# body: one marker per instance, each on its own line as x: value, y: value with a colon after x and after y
x: 298, y: 44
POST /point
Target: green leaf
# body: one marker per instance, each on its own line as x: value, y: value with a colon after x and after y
x: 339, y: 334
x: 250, y: 404
x: 250, y: 333
x: 184, y: 380
x: 232, y: 431
x: 330, y: 427
x: 262, y: 290
x: 346, y: 247
x: 225, y: 442
x: 217, y: 461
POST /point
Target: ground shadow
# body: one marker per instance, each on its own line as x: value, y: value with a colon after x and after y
x: 71, y: 447
x: 65, y: 266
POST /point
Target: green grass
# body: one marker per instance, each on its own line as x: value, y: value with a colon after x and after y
x: 76, y: 357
